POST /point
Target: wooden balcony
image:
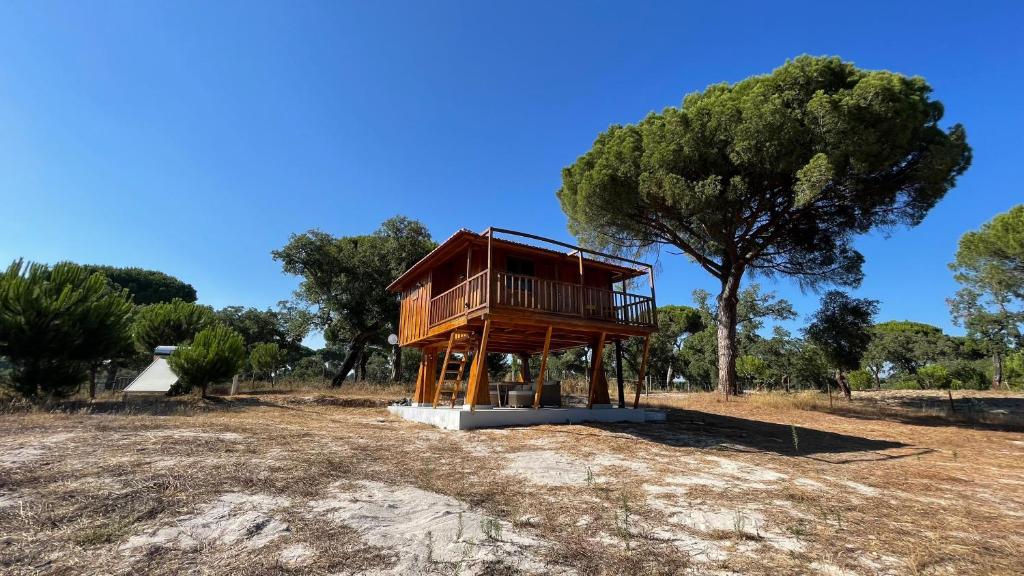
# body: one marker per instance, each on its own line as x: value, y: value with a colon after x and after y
x: 502, y: 291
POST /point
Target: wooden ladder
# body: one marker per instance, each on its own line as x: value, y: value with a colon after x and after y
x: 456, y: 357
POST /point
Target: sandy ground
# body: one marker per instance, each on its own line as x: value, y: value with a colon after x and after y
x: 281, y: 484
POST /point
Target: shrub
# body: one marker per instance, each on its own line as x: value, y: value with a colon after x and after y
x: 860, y: 380
x: 216, y: 354
x: 934, y: 376
x: 308, y: 368
x: 967, y: 376
x: 266, y: 358
x: 57, y: 324
x: 170, y: 323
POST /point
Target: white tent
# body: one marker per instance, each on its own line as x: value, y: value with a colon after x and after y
x: 156, y: 378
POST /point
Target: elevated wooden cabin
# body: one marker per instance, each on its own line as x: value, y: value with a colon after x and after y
x: 482, y: 293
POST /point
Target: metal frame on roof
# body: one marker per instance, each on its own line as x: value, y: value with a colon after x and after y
x: 624, y: 271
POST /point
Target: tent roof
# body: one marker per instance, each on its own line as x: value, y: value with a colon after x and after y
x: 157, y: 377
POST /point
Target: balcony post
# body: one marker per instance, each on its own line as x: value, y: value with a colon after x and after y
x: 490, y: 277
x: 654, y: 302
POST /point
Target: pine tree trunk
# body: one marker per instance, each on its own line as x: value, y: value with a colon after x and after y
x: 841, y: 381
x: 363, y: 359
x: 997, y: 370
x: 355, y: 350
x: 396, y: 364
x: 727, y: 301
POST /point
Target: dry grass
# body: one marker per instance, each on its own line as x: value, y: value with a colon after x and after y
x: 720, y: 487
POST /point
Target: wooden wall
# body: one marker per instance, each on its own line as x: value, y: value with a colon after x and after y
x: 415, y: 309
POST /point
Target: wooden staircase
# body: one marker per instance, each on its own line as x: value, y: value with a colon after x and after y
x: 456, y: 357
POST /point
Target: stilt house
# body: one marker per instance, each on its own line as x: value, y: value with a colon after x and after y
x: 486, y: 293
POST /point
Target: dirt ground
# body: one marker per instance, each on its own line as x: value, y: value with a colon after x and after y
x: 332, y: 484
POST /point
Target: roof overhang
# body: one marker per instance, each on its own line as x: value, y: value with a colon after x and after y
x: 464, y: 238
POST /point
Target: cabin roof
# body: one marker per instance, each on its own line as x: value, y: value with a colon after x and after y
x: 464, y: 237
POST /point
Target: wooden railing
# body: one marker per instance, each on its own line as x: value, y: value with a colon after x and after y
x: 544, y: 296
x: 459, y: 300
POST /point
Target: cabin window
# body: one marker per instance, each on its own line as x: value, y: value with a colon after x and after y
x: 520, y: 266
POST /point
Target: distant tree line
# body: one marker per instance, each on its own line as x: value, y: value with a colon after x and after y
x: 68, y: 327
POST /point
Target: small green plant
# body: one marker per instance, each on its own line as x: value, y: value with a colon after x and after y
x: 796, y: 438
x: 491, y: 527
x: 738, y: 524
x: 590, y: 476
x: 622, y: 519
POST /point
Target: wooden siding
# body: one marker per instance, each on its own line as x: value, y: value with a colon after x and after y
x: 413, y: 321
x: 443, y: 299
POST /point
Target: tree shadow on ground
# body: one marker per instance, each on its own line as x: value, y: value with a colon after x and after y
x: 997, y: 414
x: 192, y: 405
x: 693, y: 429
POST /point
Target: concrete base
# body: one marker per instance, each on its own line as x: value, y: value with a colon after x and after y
x: 460, y: 419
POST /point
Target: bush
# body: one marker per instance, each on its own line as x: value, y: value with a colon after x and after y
x: 308, y: 368
x: 170, y: 324
x: 934, y: 376
x: 215, y: 354
x: 57, y: 324
x: 967, y: 376
x: 861, y: 380
x: 266, y: 358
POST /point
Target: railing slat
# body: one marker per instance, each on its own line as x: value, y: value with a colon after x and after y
x: 542, y: 295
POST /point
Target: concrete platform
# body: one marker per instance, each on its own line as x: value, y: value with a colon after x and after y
x: 464, y: 419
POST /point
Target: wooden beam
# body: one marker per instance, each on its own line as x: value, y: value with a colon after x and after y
x: 643, y: 370
x: 543, y: 368
x: 478, y: 372
x: 619, y: 384
x: 418, y: 394
x: 595, y: 370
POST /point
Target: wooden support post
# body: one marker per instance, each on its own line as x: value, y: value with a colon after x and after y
x: 444, y: 369
x: 619, y: 384
x: 478, y: 383
x: 542, y: 373
x: 643, y: 369
x: 418, y: 396
x: 596, y: 376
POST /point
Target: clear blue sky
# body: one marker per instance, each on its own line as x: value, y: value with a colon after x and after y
x: 194, y: 137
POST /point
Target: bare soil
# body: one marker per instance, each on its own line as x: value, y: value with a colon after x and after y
x: 330, y: 483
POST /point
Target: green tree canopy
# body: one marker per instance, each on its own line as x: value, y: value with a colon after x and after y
x: 902, y: 346
x: 215, y: 354
x: 344, y: 281
x: 992, y: 259
x: 841, y: 328
x: 266, y: 326
x: 170, y: 324
x: 147, y: 286
x: 267, y: 357
x: 57, y: 323
x: 773, y: 175
x: 989, y: 265
x: 753, y: 306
